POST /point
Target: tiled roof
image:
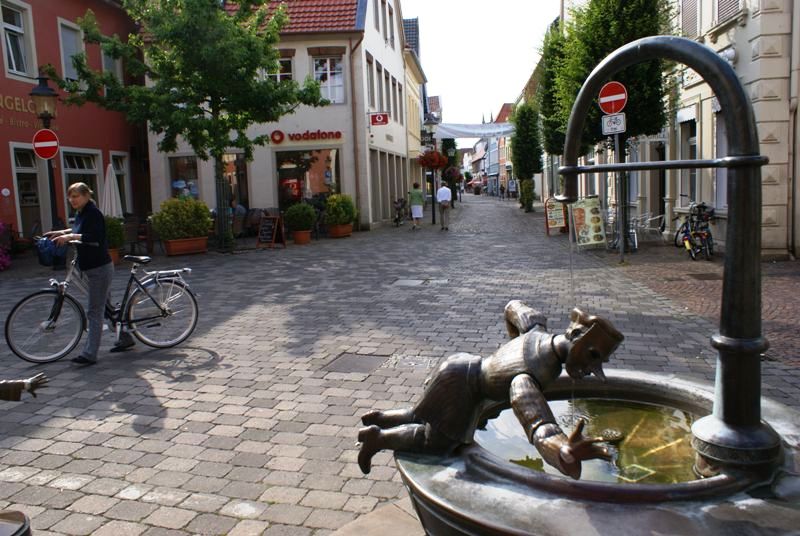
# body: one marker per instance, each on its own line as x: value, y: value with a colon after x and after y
x: 505, y: 113
x: 311, y: 16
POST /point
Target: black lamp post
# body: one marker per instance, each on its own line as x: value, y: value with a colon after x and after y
x: 451, y: 152
x: 430, y: 127
x: 44, y: 100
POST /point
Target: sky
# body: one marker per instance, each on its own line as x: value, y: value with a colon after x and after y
x: 477, y: 54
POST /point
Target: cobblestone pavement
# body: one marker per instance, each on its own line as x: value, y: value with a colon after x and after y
x: 249, y: 427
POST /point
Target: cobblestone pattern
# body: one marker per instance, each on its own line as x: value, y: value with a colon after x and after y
x: 243, y: 430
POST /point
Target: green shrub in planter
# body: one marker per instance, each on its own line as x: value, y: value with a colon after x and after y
x: 339, y: 210
x: 115, y: 233
x: 300, y: 217
x: 526, y: 195
x: 181, y: 218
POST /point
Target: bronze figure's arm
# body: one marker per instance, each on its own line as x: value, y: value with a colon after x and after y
x: 534, y: 414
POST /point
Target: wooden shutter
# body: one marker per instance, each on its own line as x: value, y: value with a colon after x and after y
x: 689, y: 18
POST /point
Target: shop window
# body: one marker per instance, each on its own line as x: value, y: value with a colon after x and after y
x: 234, y: 169
x: 183, y: 177
x: 310, y: 175
x: 80, y: 167
x: 721, y: 150
x: 121, y: 173
x: 17, y: 39
x: 28, y: 191
x: 329, y: 72
x: 71, y: 45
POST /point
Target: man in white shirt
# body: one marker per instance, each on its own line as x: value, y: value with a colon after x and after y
x: 443, y: 197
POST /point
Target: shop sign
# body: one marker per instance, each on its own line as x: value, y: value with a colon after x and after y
x: 278, y: 136
x: 555, y: 214
x: 588, y: 221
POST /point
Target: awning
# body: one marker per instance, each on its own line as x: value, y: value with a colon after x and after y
x: 485, y: 130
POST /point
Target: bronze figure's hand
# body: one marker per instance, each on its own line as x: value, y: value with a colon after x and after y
x: 39, y: 381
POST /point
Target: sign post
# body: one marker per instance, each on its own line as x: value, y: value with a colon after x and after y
x: 45, y: 146
x: 612, y: 100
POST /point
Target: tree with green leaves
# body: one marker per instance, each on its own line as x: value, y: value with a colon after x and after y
x: 206, y: 64
x: 526, y: 148
x: 553, y: 126
x: 597, y: 29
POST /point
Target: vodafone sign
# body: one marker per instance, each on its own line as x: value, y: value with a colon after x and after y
x: 45, y: 144
x: 378, y: 119
x: 278, y: 136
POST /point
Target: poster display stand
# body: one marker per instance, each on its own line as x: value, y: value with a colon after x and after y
x: 587, y: 220
x: 555, y: 215
x: 270, y: 232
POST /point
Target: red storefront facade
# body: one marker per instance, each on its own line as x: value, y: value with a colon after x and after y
x: 41, y: 32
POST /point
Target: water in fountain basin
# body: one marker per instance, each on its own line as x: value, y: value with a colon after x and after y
x: 655, y: 448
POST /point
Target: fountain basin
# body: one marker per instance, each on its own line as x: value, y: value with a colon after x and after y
x: 475, y: 491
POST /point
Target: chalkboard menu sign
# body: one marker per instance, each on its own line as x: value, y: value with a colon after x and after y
x: 555, y: 215
x: 270, y: 232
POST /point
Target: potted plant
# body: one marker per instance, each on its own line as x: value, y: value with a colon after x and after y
x: 183, y: 225
x: 300, y: 219
x: 115, y: 236
x: 340, y: 213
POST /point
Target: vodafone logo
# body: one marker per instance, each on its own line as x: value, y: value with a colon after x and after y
x: 379, y: 119
x: 278, y: 136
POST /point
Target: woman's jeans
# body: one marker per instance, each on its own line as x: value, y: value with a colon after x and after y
x: 99, y: 283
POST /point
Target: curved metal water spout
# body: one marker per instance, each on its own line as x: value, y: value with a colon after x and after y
x: 734, y: 434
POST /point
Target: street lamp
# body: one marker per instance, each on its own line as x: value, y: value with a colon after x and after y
x: 44, y: 100
x: 430, y: 125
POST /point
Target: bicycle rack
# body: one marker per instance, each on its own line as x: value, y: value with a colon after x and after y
x: 734, y: 434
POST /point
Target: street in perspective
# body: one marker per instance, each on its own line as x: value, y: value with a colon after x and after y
x: 249, y: 427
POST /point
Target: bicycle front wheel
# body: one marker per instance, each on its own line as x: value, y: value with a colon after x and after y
x: 163, y: 316
x: 45, y: 326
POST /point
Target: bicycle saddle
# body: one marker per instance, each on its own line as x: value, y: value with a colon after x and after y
x: 137, y: 259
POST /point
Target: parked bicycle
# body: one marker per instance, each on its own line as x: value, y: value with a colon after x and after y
x: 160, y: 310
x: 694, y: 234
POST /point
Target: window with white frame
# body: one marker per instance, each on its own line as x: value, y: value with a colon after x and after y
x: 383, y: 11
x: 394, y: 99
x: 726, y: 9
x: 17, y: 39
x: 71, y: 45
x: 284, y: 70
x: 720, y: 151
x: 387, y: 85
x: 80, y: 167
x: 391, y: 26
x: 376, y: 7
x: 688, y: 186
x: 329, y: 72
x: 121, y: 172
x: 371, y: 81
x: 113, y: 66
x: 400, y: 115
x: 689, y: 18
x: 379, y: 76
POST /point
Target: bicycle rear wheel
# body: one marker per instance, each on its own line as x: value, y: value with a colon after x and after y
x: 165, y: 317
x: 43, y: 327
x: 678, y: 240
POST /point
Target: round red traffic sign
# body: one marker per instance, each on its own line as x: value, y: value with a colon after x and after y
x: 613, y: 98
x: 45, y: 143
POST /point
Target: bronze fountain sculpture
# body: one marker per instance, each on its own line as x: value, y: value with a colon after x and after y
x: 457, y: 393
x: 746, y: 449
x: 14, y: 523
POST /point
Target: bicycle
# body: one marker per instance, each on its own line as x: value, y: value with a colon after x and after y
x: 694, y: 234
x: 159, y: 310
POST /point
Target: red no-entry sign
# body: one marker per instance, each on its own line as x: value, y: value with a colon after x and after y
x: 45, y: 144
x: 613, y: 98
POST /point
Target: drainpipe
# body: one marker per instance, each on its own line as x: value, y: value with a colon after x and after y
x: 794, y: 86
x: 355, y: 126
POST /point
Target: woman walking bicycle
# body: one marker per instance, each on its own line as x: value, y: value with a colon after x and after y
x: 95, y: 265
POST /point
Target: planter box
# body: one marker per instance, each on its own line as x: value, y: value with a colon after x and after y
x: 341, y: 230
x: 301, y: 237
x: 186, y: 246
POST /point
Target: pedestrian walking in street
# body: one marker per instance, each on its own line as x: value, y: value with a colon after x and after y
x: 417, y: 201
x: 95, y: 266
x: 443, y: 197
x: 502, y: 192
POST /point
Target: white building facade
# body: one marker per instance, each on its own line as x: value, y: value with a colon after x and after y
x: 355, y: 49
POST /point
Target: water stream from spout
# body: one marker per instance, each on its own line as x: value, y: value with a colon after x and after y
x: 572, y: 297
